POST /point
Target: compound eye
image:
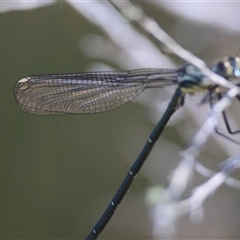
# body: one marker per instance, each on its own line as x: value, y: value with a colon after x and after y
x: 232, y: 61
x: 220, y: 69
x: 237, y: 67
x: 237, y: 72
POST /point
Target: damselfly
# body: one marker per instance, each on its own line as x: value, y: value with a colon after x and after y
x: 101, y: 91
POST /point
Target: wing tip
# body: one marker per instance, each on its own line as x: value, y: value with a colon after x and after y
x: 22, y: 80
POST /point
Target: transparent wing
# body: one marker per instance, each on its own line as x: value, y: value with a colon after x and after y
x: 87, y: 92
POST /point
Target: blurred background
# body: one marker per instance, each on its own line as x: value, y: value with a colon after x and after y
x: 58, y: 173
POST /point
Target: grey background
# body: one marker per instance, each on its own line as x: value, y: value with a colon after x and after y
x: 58, y: 173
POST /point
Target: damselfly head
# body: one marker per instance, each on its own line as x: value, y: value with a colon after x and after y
x: 229, y: 67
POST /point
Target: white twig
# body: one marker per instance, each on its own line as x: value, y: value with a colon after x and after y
x: 184, y: 170
x: 133, y: 13
x: 232, y: 182
x: 166, y: 214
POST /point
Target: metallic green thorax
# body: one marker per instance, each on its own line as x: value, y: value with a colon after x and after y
x: 192, y: 80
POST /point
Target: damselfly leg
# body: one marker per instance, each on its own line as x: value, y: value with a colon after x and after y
x: 231, y: 126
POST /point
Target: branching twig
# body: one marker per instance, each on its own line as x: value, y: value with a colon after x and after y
x: 165, y: 215
x: 231, y: 182
x: 133, y: 13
